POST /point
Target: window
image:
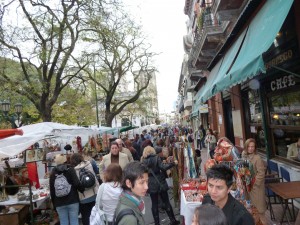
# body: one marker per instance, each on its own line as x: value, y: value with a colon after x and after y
x: 284, y: 120
x: 285, y: 109
x: 255, y: 119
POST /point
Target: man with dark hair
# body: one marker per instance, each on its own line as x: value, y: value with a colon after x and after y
x: 219, y: 181
x: 131, y: 206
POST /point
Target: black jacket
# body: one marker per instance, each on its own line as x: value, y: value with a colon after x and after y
x: 154, y: 163
x: 234, y: 211
x: 72, y: 178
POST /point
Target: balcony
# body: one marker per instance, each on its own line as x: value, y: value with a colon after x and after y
x: 228, y: 10
x: 209, y: 37
x: 196, y: 75
x: 188, y: 104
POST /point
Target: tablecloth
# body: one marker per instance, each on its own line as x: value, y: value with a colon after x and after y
x: 187, y: 208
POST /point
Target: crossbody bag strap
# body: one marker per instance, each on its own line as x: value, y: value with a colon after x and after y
x: 153, y: 174
x: 99, y: 195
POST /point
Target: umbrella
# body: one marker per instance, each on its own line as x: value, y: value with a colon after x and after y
x: 10, y: 132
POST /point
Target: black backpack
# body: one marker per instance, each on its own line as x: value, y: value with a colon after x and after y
x: 87, y: 178
x: 121, y: 214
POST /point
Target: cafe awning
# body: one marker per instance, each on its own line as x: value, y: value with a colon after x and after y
x: 244, y: 59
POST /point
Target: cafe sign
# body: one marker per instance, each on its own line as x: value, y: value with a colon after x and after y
x: 282, y: 82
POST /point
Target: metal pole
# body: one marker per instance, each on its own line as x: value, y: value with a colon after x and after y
x: 97, y: 110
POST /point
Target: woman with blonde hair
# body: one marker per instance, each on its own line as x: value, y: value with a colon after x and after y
x: 257, y: 193
x: 157, y: 185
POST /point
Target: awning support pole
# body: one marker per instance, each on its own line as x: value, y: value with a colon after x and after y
x: 289, y: 72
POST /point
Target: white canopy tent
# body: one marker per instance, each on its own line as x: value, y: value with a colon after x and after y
x: 14, y: 145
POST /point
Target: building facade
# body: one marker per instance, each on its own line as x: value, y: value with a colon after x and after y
x: 250, y: 84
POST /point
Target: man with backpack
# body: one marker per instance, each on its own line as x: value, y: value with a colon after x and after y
x: 131, y: 206
x: 64, y: 184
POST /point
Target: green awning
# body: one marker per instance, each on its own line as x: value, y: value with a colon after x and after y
x: 220, y: 68
x: 127, y: 128
x: 249, y: 62
x: 194, y: 113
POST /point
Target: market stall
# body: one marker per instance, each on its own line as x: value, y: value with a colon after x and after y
x: 192, y: 190
x: 27, y: 160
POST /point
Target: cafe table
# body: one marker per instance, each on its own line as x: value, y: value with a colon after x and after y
x: 285, y: 191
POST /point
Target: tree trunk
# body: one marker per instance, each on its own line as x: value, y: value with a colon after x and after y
x: 109, y: 118
x: 46, y: 115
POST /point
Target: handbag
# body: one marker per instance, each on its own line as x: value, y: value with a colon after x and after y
x: 98, y: 216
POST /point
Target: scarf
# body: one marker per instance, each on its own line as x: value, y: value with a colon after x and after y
x: 137, y: 201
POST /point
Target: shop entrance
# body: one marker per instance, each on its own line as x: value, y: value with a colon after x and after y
x: 228, y: 120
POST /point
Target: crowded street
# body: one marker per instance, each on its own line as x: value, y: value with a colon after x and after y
x: 152, y: 112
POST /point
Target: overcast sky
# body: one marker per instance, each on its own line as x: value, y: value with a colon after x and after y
x: 164, y: 22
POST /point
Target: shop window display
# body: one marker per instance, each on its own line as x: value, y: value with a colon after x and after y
x: 284, y: 121
x: 285, y: 109
x: 256, y: 131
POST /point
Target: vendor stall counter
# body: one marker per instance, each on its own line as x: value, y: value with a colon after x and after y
x: 187, y: 208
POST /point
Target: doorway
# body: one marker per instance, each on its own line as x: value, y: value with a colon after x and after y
x: 228, y: 121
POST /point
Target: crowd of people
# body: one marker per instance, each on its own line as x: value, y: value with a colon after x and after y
x: 134, y: 168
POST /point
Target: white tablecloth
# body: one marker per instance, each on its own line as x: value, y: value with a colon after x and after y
x: 187, y: 209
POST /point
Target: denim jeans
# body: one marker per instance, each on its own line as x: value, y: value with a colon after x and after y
x: 68, y: 214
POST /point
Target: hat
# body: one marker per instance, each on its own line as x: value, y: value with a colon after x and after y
x: 158, y: 149
x: 68, y: 147
x: 60, y: 159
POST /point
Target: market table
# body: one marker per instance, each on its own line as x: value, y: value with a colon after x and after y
x: 286, y: 191
x: 187, y: 208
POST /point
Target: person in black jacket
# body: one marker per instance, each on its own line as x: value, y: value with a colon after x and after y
x: 67, y: 206
x: 219, y: 181
x: 157, y: 185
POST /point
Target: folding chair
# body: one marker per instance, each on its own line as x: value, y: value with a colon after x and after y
x: 286, y: 178
x: 272, y: 176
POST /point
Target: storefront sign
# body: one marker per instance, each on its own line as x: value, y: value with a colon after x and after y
x: 283, y: 57
x: 282, y: 82
x: 203, y: 108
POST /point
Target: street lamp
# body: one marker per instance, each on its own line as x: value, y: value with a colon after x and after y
x: 5, y: 108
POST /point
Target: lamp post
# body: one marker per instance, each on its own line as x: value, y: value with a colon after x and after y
x: 5, y: 108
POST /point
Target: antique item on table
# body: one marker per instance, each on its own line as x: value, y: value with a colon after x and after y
x: 21, y: 196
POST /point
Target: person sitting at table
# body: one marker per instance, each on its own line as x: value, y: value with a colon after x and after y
x: 219, y: 181
x: 209, y: 214
x: 294, y: 150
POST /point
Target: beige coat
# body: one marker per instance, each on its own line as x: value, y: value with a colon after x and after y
x: 128, y: 153
x: 123, y: 161
x: 257, y: 194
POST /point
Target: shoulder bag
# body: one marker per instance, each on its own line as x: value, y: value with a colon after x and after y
x: 98, y: 216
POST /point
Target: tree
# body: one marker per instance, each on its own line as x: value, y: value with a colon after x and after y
x: 122, y: 52
x: 74, y: 107
x: 44, y: 37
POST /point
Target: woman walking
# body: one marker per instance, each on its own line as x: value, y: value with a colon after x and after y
x: 211, y: 141
x: 64, y: 184
x: 85, y: 173
x: 157, y: 183
x: 110, y: 190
